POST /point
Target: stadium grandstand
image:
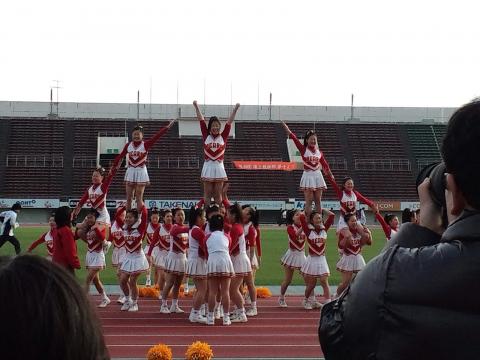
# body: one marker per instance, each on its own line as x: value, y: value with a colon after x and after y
x: 49, y: 150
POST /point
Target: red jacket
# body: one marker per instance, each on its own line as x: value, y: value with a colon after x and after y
x: 65, y: 249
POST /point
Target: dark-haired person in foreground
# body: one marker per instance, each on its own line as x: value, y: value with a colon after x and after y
x: 420, y: 298
x: 8, y: 222
x: 45, y: 314
x: 136, y: 176
x: 64, y: 246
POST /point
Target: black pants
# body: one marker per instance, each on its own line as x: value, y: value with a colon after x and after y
x: 12, y: 240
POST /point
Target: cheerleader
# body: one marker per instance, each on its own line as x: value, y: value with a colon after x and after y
x: 96, y: 196
x: 219, y: 269
x: 136, y: 176
x: 95, y: 257
x: 312, y: 183
x: 389, y: 222
x: 250, y: 230
x: 135, y: 262
x: 161, y: 241
x: 197, y: 262
x: 153, y: 225
x: 241, y: 263
x: 351, y: 244
x: 118, y: 241
x: 348, y: 202
x: 175, y: 263
x: 295, y: 257
x: 316, y: 267
x: 47, y: 238
x: 214, y: 144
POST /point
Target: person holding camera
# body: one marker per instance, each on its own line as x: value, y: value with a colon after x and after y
x: 420, y: 298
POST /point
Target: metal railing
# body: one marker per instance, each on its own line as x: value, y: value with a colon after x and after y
x: 153, y: 162
x: 35, y: 161
x: 383, y: 164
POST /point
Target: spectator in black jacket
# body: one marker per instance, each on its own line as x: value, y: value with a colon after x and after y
x: 420, y: 298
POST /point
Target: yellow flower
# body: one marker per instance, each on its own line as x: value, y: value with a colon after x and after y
x: 159, y: 352
x: 199, y: 351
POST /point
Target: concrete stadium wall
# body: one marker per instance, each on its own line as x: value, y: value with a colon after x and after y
x: 246, y: 112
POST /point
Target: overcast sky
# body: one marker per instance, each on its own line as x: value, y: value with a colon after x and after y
x: 402, y: 53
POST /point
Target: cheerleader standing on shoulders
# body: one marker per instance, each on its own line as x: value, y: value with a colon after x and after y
x: 348, y: 197
x: 135, y: 262
x: 295, y: 257
x: 161, y: 241
x: 219, y: 269
x: 175, y: 263
x: 312, y: 183
x: 153, y: 225
x: 95, y: 257
x: 352, y: 260
x: 214, y: 144
x: 241, y: 263
x: 389, y: 223
x: 136, y: 176
x: 250, y: 226
x: 96, y: 196
x: 316, y: 267
x: 118, y: 241
x: 197, y: 262
x: 47, y: 238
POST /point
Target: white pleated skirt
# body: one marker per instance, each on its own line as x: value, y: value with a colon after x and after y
x: 213, y: 171
x: 312, y: 180
x: 137, y: 175
x: 315, y: 266
x: 95, y: 260
x: 196, y: 267
x: 294, y: 259
x: 175, y: 263
x: 351, y: 263
x: 160, y: 259
x: 219, y: 264
x: 118, y: 256
x: 241, y: 264
x: 134, y: 263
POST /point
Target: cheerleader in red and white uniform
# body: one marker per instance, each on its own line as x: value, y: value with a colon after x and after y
x: 96, y: 196
x: 316, y: 266
x: 295, y: 257
x: 136, y: 176
x: 250, y: 218
x: 214, y: 145
x: 312, y: 183
x: 95, y: 257
x: 241, y: 263
x: 175, y: 263
x: 389, y: 222
x: 118, y: 241
x: 351, y: 244
x: 161, y: 241
x: 135, y: 262
x: 153, y: 225
x: 348, y: 204
x: 219, y: 269
x: 197, y: 262
x: 46, y: 238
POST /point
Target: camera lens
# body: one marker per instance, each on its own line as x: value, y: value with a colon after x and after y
x: 436, y: 173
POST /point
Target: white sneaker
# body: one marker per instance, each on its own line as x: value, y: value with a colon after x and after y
x: 282, y: 303
x: 252, y: 311
x: 210, y: 319
x: 198, y: 319
x: 239, y: 317
x: 125, y: 306
x: 164, y: 309
x: 226, y: 320
x: 104, y: 303
x: 247, y: 299
x: 148, y: 283
x: 133, y: 307
x: 306, y: 305
x: 121, y: 300
x: 315, y: 304
x: 217, y: 313
x: 176, y: 309
x: 203, y: 311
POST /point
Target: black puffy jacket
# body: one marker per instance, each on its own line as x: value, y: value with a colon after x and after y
x: 420, y: 298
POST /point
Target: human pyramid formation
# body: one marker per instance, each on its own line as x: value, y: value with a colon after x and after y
x: 222, y: 239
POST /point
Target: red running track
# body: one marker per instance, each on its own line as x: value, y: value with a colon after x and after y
x: 275, y: 333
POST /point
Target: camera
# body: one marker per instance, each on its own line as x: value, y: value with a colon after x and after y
x: 436, y: 173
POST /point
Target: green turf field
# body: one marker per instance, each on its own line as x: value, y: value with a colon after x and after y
x: 274, y: 245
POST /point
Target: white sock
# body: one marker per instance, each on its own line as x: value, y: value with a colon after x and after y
x: 149, y: 277
x: 217, y: 305
x: 175, y: 302
x: 129, y: 299
x: 164, y: 302
x: 254, y: 304
x: 104, y: 296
